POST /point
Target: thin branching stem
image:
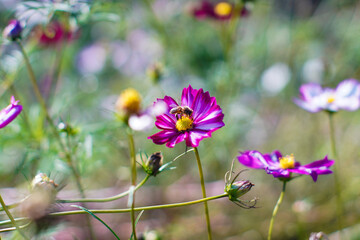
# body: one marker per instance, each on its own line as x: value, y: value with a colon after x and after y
x: 133, y: 181
x: 337, y: 178
x: 109, y: 211
x: 56, y: 133
x: 11, y: 218
x: 276, y: 208
x: 202, y: 182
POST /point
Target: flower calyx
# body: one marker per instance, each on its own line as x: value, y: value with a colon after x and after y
x: 153, y: 164
x: 237, y: 189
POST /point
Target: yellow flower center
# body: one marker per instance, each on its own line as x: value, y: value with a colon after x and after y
x: 330, y: 99
x: 287, y: 162
x: 223, y: 9
x: 184, y: 123
x: 129, y: 101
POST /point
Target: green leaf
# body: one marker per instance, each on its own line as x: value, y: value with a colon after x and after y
x: 136, y: 221
x: 97, y: 218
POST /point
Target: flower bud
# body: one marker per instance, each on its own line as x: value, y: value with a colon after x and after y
x: 318, y: 236
x: 153, y: 163
x: 42, y: 182
x: 237, y: 189
x: 13, y: 30
x: 150, y: 235
x: 66, y: 128
x: 155, y: 72
x: 129, y: 102
x: 42, y: 196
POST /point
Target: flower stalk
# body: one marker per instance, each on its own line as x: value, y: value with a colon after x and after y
x: 276, y: 208
x: 133, y: 180
x: 11, y: 218
x: 109, y: 211
x: 108, y: 199
x: 53, y: 127
x: 339, y: 205
x: 203, y: 190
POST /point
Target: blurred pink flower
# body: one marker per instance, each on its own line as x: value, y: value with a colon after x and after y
x: 54, y: 33
x: 314, y: 98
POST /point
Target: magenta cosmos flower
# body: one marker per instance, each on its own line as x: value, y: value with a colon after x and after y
x: 219, y: 11
x: 8, y: 114
x: 283, y: 167
x: 314, y: 98
x: 194, y: 119
x: 54, y: 33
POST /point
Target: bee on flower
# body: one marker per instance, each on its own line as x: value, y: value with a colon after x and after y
x: 196, y: 117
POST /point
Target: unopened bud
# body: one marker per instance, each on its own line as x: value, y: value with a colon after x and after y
x: 66, y: 128
x: 13, y: 30
x: 151, y: 235
x: 318, y: 236
x: 42, y: 197
x: 238, y: 189
x: 42, y: 182
x: 153, y: 163
x: 155, y: 72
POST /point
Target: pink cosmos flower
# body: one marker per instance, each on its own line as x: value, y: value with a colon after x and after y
x: 314, y: 98
x: 8, y: 114
x: 194, y: 119
x: 283, y: 167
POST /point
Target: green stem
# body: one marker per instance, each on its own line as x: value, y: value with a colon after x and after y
x: 339, y: 206
x: 109, y: 211
x: 133, y: 180
x: 276, y: 208
x: 11, y: 218
x: 53, y: 127
x: 108, y: 199
x: 203, y: 193
x: 173, y: 205
x: 14, y: 228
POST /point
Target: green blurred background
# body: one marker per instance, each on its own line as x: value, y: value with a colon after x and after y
x: 253, y: 65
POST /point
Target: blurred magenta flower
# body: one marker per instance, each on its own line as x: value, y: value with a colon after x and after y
x: 8, y: 114
x: 54, y: 33
x: 283, y: 167
x: 314, y: 98
x: 194, y: 119
x: 219, y: 11
x: 13, y: 30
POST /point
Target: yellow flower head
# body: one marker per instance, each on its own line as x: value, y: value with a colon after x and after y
x: 287, y: 162
x: 223, y: 9
x: 129, y: 101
